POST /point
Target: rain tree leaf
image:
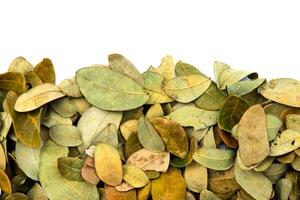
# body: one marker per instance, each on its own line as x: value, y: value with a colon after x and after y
x: 273, y: 126
x: 253, y: 136
x: 21, y: 65
x: 166, y: 67
x: 184, y: 69
x: 212, y: 158
x: 37, y: 96
x: 110, y: 90
x: 169, y: 185
x: 153, y: 83
x: 70, y: 168
x: 45, y: 71
x: 148, y: 136
x: 148, y: 160
x: 195, y: 176
x: 244, y: 87
x: 26, y: 125
x: 185, y: 89
x: 37, y: 193
x: 70, y: 88
x: 108, y: 164
x: 231, y: 112
x: 173, y: 136
x: 287, y: 141
x: 121, y: 64
x: 28, y: 159
x: 12, y: 81
x: 283, y: 90
x: 64, y: 107
x: 194, y: 117
x: 93, y: 121
x: 208, y: 195
x: 112, y: 194
x: 134, y: 176
x: 56, y: 186
x: 65, y: 135
x: 108, y: 135
x: 283, y: 189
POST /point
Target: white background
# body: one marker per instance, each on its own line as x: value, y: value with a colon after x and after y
x: 262, y: 36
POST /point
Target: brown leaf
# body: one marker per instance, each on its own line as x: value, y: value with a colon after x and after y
x: 112, y: 194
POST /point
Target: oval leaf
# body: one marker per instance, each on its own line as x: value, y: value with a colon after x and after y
x: 65, y: 135
x: 134, y: 176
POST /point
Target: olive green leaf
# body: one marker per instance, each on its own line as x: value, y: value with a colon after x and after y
x: 28, y: 159
x: 287, y: 141
x: 287, y: 158
x: 153, y: 83
x: 209, y: 139
x: 108, y: 135
x: 45, y: 71
x: 166, y: 67
x: 222, y: 182
x: 37, y: 193
x: 148, y: 160
x: 37, y: 96
x: 121, y: 64
x: 226, y: 76
x: 275, y: 171
x: 81, y: 104
x: 144, y: 192
x: 185, y: 89
x: 294, y: 177
x: 21, y: 65
x: 112, y: 194
x: 93, y: 121
x: 283, y: 188
x: 26, y: 125
x: 208, y: 195
x: 70, y: 88
x: 6, y: 121
x: 231, y: 112
x: 184, y: 69
x: 273, y: 126
x: 293, y: 122
x: 169, y: 185
x: 32, y: 78
x: 211, y: 99
x: 155, y: 111
x: 264, y: 164
x: 254, y: 183
x: 173, y: 135
x: 212, y: 158
x: 195, y: 176
x: 244, y: 87
x: 134, y: 176
x: 64, y: 107
x: 283, y: 90
x: 132, y: 145
x: 56, y: 186
x: 12, y: 81
x: 109, y: 90
x: 51, y: 118
x: 148, y: 136
x: 5, y: 184
x: 70, y: 168
x: 253, y: 136
x: 108, y: 164
x: 194, y: 117
x: 65, y: 135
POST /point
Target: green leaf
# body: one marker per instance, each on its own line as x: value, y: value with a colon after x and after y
x: 28, y: 159
x: 64, y: 107
x: 65, y: 135
x: 254, y: 183
x: 244, y: 87
x: 52, y: 118
x: 283, y: 90
x: 70, y: 88
x: 195, y: 117
x: 37, y: 193
x: 184, y: 69
x: 293, y: 122
x: 108, y: 135
x: 273, y: 126
x: 12, y: 81
x: 283, y: 189
x: 56, y: 186
x: 208, y: 195
x: 110, y: 90
x: 185, y: 89
x: 166, y: 67
x: 287, y: 141
x: 169, y: 185
x: 212, y: 158
x: 148, y: 136
x: 70, y: 168
x: 211, y: 99
x: 21, y: 65
x: 231, y: 112
x: 121, y: 64
x: 195, y: 176
x: 153, y: 85
x: 93, y: 121
x: 45, y: 71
